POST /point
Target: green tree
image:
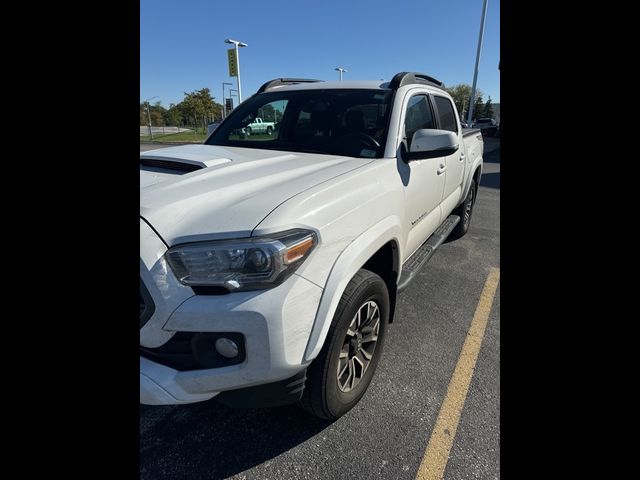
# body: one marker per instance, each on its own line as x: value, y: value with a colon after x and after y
x: 173, y: 117
x: 460, y: 94
x: 477, y: 110
x: 157, y: 112
x: 487, y: 111
x: 267, y: 113
x: 199, y: 107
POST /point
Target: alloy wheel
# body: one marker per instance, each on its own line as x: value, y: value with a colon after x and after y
x: 468, y: 206
x: 359, y: 346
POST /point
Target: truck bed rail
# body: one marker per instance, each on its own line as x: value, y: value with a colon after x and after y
x: 466, y: 132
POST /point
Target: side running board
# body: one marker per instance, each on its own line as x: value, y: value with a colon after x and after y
x: 412, y: 266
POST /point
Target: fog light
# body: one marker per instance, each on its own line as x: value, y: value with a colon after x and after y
x: 226, y: 347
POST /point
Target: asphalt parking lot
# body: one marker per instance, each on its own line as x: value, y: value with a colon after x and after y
x: 386, y: 434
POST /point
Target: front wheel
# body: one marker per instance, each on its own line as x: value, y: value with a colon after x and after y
x: 340, y: 375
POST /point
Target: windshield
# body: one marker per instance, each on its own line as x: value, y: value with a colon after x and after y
x: 347, y: 122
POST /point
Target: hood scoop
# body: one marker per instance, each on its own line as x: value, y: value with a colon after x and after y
x: 184, y: 158
x: 169, y: 165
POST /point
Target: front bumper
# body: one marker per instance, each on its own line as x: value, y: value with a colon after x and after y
x: 275, y: 323
x: 158, y: 386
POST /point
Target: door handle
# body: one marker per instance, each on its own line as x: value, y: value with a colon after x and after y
x: 441, y: 170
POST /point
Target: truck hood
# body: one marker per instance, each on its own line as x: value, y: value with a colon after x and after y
x: 232, y: 190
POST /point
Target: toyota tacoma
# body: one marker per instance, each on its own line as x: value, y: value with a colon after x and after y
x: 270, y: 267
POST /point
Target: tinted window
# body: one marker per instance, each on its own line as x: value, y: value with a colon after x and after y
x: 345, y: 122
x: 418, y: 116
x: 446, y: 114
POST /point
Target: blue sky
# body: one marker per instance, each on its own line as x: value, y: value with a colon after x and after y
x: 182, y: 42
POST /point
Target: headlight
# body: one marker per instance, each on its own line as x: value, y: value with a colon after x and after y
x: 243, y: 264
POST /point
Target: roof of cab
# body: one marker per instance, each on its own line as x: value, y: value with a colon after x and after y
x: 321, y: 85
x: 399, y: 80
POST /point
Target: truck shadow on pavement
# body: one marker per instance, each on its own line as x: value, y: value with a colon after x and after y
x: 492, y: 157
x: 210, y: 440
x: 491, y: 179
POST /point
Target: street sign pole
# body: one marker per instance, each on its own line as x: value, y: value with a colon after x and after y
x: 234, y: 68
x: 235, y: 55
x: 238, y: 77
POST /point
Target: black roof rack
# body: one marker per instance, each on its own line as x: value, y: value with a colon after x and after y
x: 285, y: 81
x: 408, y: 78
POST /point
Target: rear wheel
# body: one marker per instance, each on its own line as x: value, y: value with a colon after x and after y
x: 340, y: 375
x: 464, y: 211
x: 269, y: 130
x: 247, y: 131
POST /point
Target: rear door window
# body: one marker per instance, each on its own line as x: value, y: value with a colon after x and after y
x: 446, y: 114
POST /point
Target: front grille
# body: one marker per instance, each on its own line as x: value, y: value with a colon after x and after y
x: 147, y: 307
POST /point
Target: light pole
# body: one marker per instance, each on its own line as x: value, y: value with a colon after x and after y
x: 231, y: 94
x: 149, y: 116
x: 472, y: 100
x: 237, y: 44
x: 341, y: 70
x: 224, y: 107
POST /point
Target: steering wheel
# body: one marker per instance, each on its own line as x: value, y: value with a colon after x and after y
x: 367, y: 139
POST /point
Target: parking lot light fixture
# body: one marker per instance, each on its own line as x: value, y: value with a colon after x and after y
x: 237, y: 44
x: 341, y: 70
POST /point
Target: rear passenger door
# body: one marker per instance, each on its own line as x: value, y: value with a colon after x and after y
x: 455, y: 163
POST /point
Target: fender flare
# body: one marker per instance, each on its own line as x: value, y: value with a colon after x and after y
x: 348, y: 263
x: 477, y: 164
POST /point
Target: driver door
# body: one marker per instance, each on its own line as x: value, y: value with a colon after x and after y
x: 425, y: 183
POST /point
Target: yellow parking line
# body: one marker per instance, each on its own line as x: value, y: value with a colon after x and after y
x: 437, y: 452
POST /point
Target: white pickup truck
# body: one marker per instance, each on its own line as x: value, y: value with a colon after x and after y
x: 259, y: 126
x: 269, y: 269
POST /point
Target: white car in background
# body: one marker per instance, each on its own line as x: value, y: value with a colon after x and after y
x: 258, y: 126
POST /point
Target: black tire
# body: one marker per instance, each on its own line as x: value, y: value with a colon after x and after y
x: 465, y: 220
x: 269, y: 130
x: 322, y: 396
x: 247, y: 131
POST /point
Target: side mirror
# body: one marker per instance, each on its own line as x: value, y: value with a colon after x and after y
x: 428, y: 143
